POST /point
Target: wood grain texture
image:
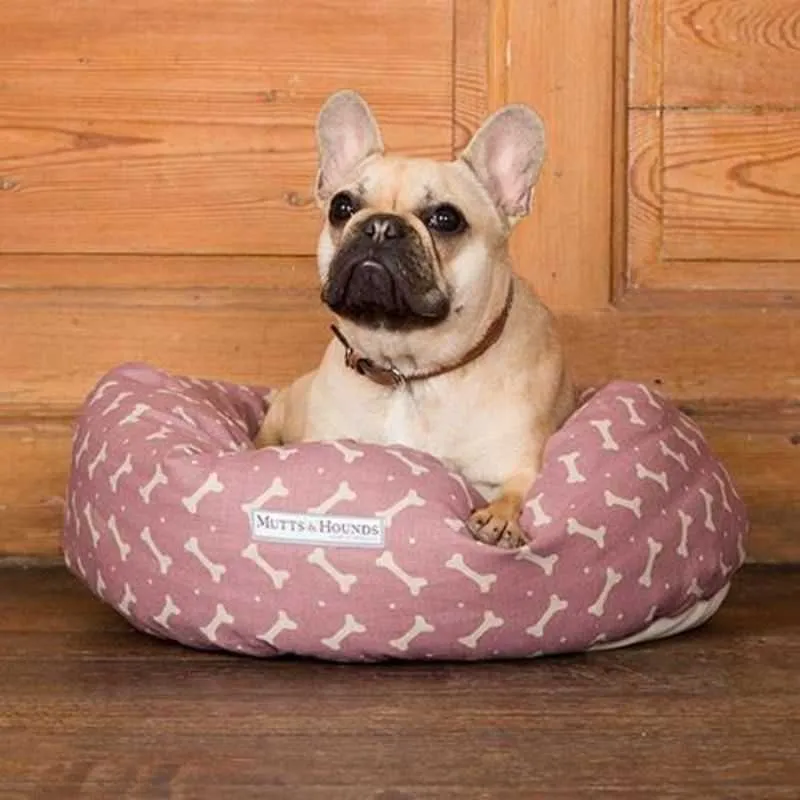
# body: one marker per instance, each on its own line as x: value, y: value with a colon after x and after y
x: 189, y: 128
x: 472, y: 76
x: 731, y: 186
x: 96, y: 710
x: 731, y: 53
x: 561, y: 63
x: 758, y: 442
x: 645, y: 26
x: 708, y: 205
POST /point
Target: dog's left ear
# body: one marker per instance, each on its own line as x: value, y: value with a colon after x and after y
x: 347, y: 134
x: 506, y: 155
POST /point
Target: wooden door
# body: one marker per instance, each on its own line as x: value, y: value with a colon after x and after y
x: 156, y: 161
x: 668, y: 225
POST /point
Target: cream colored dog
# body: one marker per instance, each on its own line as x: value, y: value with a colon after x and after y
x: 438, y: 345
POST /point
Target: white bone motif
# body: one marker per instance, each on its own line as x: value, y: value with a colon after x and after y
x: 660, y: 478
x: 167, y: 612
x: 100, y: 585
x: 275, y: 489
x: 115, y: 403
x: 603, y: 427
x: 597, y: 535
x: 724, y: 568
x: 689, y: 424
x: 687, y: 439
x: 83, y: 449
x: 415, y: 585
x: 540, y: 516
x: 318, y: 558
x: 216, y: 571
x: 161, y: 433
x: 347, y: 453
x: 682, y: 549
x: 484, y: 582
x: 158, y: 479
x: 411, y: 500
x: 416, y: 469
x: 680, y: 458
x: 489, y: 621
x: 742, y: 553
x: 128, y: 599
x: 283, y: 623
x: 708, y: 499
x: 222, y: 617
x: 653, y: 549
x: 460, y: 481
x: 342, y: 494
x: 87, y: 513
x: 164, y: 560
x: 633, y: 505
x: 598, y: 608
x: 123, y: 547
x: 283, y: 453
x: 725, y: 504
x: 124, y: 469
x: 454, y: 524
x: 211, y: 485
x: 98, y: 459
x: 278, y: 576
x: 351, y: 626
x: 546, y: 563
x: 81, y: 568
x: 135, y: 415
x: 101, y: 390
x: 181, y: 412
x: 633, y: 414
x: 651, y: 615
x: 573, y: 473
x: 420, y: 626
x: 650, y: 398
x: 694, y: 589
x: 555, y: 605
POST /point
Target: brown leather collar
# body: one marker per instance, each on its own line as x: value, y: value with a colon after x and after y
x: 392, y: 377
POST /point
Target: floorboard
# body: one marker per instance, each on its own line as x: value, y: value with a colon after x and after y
x: 90, y: 708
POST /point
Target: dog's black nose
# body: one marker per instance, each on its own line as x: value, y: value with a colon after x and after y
x: 381, y: 227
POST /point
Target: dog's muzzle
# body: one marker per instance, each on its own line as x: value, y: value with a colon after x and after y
x: 382, y: 276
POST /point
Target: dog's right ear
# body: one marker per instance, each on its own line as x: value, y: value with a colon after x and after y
x: 346, y: 135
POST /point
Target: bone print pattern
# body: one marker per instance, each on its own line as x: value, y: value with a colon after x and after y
x: 632, y: 521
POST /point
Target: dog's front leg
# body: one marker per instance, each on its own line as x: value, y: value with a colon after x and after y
x: 285, y: 421
x: 498, y: 522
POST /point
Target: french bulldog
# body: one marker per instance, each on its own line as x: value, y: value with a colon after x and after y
x: 438, y: 346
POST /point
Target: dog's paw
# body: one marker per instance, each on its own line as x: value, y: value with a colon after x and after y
x: 497, y: 524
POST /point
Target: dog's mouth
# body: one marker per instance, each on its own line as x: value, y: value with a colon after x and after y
x: 376, y: 291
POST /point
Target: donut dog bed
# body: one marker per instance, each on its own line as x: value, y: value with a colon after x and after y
x: 351, y: 552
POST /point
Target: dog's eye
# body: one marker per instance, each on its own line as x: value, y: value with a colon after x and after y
x: 446, y: 219
x: 343, y: 206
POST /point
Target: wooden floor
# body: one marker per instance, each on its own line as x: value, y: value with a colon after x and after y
x: 90, y: 708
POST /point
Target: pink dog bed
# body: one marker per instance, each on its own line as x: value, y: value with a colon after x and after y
x: 351, y: 552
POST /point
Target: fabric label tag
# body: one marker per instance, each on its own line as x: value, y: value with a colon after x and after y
x: 281, y: 526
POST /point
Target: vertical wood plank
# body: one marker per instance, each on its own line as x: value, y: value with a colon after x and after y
x: 646, y: 67
x: 562, y: 64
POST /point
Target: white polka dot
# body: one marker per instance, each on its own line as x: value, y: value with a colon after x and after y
x: 586, y: 570
x: 163, y: 520
x: 620, y: 615
x: 636, y: 449
x: 122, y: 508
x: 392, y: 606
x: 320, y: 471
x: 461, y: 605
x: 495, y: 652
x: 666, y: 586
x: 632, y: 539
x: 529, y: 593
x: 197, y: 592
x: 663, y: 512
x: 113, y: 569
x: 700, y: 557
x: 258, y: 598
x: 608, y: 474
x: 150, y: 581
x: 563, y: 640
x: 452, y: 497
x: 194, y: 462
x: 390, y: 477
x: 321, y: 603
x: 213, y: 528
x: 256, y: 468
x: 412, y: 540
